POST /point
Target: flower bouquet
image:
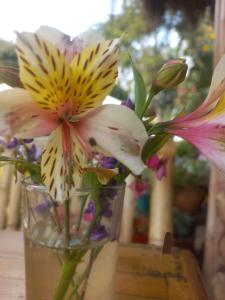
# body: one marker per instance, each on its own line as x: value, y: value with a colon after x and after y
x: 74, y: 189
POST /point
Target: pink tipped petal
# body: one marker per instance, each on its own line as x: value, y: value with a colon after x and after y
x: 215, y: 95
x: 209, y: 139
x: 116, y: 131
x: 21, y: 117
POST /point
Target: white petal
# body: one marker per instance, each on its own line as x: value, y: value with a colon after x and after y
x: 20, y: 116
x: 67, y: 45
x: 117, y: 131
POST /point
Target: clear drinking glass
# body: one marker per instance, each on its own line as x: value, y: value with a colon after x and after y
x: 71, y: 248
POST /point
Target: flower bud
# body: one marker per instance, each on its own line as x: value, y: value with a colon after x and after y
x: 171, y: 74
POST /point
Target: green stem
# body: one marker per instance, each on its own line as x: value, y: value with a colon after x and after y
x: 81, y: 213
x: 69, y: 267
x: 151, y: 94
x: 56, y: 219
x: 85, y: 275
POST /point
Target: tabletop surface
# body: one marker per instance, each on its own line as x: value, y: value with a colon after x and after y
x: 142, y: 274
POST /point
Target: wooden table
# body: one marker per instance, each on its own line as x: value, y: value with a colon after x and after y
x: 142, y: 273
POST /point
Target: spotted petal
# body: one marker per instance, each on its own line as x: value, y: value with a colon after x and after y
x: 94, y: 74
x: 62, y: 163
x: 69, y: 47
x: 44, y: 72
x: 114, y: 130
x: 21, y: 117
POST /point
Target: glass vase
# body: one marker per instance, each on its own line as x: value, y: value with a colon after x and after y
x: 70, y: 247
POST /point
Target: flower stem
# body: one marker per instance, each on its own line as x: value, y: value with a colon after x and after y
x: 81, y: 213
x: 85, y: 275
x: 152, y: 93
x: 69, y: 267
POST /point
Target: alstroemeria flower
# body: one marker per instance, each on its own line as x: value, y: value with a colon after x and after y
x: 205, y: 127
x: 65, y: 82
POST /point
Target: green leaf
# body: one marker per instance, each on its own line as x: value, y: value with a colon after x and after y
x: 24, y: 166
x: 139, y: 91
x: 90, y: 180
x: 154, y: 144
x: 10, y: 76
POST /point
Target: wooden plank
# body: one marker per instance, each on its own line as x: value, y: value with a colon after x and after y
x: 141, y: 285
x: 131, y: 297
x: 12, y: 267
x: 11, y: 288
x: 143, y: 271
x: 11, y: 244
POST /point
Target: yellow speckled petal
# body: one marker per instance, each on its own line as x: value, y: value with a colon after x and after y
x: 44, y: 72
x: 62, y: 163
x: 94, y: 74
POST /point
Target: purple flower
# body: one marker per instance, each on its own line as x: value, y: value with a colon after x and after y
x: 99, y: 232
x: 32, y: 152
x: 106, y: 211
x: 90, y: 208
x: 107, y: 162
x: 12, y: 144
x: 128, y: 103
x: 43, y: 206
x: 28, y: 141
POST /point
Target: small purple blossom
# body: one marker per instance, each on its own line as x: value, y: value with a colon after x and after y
x: 33, y: 153
x: 107, y: 162
x: 99, y: 232
x: 106, y: 211
x: 28, y: 141
x: 12, y: 144
x: 128, y: 103
x: 90, y: 208
x: 43, y: 206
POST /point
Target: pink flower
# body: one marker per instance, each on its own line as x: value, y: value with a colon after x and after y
x: 65, y: 82
x: 157, y: 165
x: 205, y: 127
x: 138, y: 187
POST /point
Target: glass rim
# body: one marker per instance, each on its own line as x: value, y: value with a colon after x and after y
x: 81, y: 191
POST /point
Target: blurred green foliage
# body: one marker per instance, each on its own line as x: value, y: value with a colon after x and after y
x: 151, y: 48
x: 191, y: 169
x: 7, y: 54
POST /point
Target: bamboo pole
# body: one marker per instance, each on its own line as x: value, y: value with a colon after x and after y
x: 126, y: 231
x: 13, y: 210
x: 4, y: 193
x: 160, y: 221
